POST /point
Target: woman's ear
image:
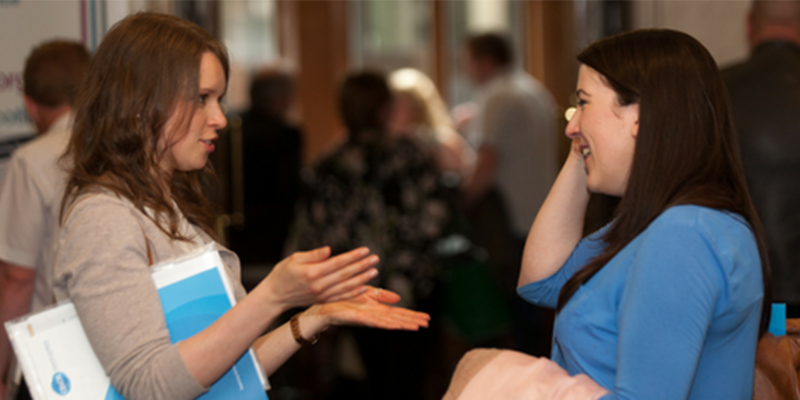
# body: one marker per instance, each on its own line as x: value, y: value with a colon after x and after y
x: 634, y: 115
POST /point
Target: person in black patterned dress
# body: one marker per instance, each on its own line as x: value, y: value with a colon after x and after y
x: 381, y: 191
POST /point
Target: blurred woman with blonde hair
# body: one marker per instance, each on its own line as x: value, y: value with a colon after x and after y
x: 420, y: 112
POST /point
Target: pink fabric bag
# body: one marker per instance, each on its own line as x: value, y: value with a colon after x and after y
x: 505, y: 374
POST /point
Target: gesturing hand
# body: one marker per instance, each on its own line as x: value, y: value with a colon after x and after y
x: 314, y: 277
x: 371, y: 309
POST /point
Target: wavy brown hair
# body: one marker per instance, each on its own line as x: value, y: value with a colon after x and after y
x: 686, y: 149
x: 147, y: 65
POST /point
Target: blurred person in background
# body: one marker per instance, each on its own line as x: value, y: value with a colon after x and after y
x: 31, y: 192
x: 765, y: 95
x: 382, y: 191
x: 515, y: 136
x: 420, y: 113
x: 272, y: 149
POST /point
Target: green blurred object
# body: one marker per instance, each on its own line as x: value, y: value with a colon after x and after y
x: 473, y: 302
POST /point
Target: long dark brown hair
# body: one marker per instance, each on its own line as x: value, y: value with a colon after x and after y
x: 686, y: 149
x: 145, y: 67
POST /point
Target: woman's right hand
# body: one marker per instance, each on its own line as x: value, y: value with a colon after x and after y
x: 558, y: 226
x: 311, y: 277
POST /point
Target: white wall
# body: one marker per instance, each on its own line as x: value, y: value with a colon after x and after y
x: 719, y: 25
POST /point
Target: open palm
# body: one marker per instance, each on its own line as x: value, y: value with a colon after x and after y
x: 373, y: 309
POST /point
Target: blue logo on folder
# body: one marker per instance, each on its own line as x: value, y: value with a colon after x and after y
x: 60, y: 383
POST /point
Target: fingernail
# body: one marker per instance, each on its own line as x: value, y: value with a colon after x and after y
x: 364, y: 251
x: 373, y: 273
x: 374, y: 259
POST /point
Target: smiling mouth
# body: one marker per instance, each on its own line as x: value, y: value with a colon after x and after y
x: 586, y: 151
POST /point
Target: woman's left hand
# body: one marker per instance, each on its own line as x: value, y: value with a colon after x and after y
x: 370, y: 309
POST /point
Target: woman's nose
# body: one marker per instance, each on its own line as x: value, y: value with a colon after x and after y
x: 217, y: 118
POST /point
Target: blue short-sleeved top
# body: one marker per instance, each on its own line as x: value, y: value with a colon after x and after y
x: 674, y: 315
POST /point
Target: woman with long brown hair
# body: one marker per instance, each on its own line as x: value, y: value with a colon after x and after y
x: 146, y: 121
x: 666, y: 301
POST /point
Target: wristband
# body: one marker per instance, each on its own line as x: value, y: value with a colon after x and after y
x: 298, y: 337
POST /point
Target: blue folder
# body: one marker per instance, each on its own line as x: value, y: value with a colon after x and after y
x: 194, y: 303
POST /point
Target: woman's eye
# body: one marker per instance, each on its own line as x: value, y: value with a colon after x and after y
x: 581, y: 103
x: 202, y: 98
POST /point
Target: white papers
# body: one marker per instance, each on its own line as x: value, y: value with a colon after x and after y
x: 56, y: 358
x: 58, y: 362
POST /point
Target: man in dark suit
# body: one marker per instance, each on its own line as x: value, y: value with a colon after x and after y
x: 765, y: 93
x: 271, y: 146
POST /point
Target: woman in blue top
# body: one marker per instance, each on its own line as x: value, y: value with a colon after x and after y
x: 669, y: 299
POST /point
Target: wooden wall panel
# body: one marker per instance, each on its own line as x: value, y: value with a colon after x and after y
x: 550, y: 53
x: 550, y: 57
x: 314, y: 36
